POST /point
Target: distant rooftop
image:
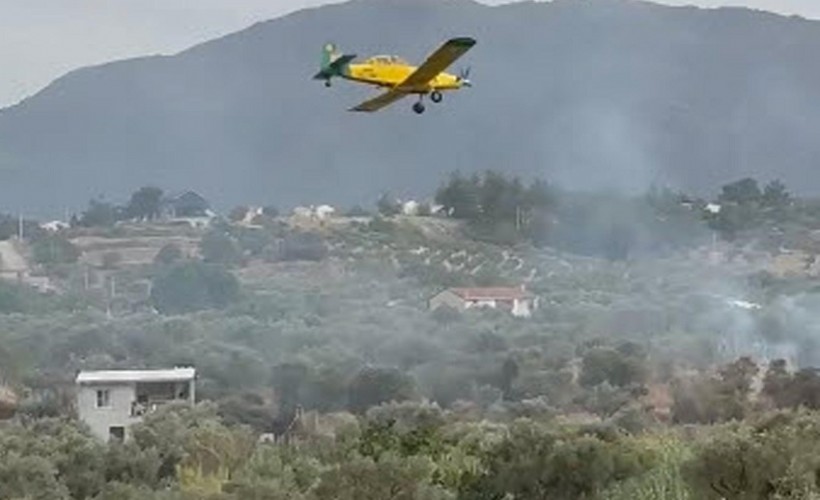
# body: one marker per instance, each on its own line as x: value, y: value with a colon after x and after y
x: 492, y: 293
x: 114, y: 376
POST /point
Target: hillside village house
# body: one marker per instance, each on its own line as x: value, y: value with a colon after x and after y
x: 111, y: 401
x: 516, y: 300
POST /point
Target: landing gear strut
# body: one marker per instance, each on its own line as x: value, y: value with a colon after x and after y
x: 436, y: 96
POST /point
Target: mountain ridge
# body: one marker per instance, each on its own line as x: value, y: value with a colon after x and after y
x: 607, y: 94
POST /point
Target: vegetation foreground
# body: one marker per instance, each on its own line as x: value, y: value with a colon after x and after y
x: 322, y: 373
x: 413, y: 451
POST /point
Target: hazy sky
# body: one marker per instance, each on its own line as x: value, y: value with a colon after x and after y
x: 43, y: 39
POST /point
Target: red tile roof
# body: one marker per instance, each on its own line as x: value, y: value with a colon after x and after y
x: 492, y: 293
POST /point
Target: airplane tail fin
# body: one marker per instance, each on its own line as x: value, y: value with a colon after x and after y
x: 333, y: 63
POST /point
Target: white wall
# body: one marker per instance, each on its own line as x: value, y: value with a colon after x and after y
x: 481, y: 303
x: 521, y: 308
x: 101, y: 419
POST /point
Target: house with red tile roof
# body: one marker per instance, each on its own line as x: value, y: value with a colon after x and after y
x: 518, y: 301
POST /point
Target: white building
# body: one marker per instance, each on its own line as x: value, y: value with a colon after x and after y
x: 516, y: 300
x: 411, y: 207
x: 324, y: 212
x: 111, y: 401
x: 713, y: 208
x: 55, y: 226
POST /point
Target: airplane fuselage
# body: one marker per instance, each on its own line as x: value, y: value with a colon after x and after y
x: 392, y: 75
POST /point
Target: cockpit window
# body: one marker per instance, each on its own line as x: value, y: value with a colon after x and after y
x: 385, y: 60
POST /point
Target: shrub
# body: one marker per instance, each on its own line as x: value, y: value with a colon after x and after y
x: 303, y: 246
x: 111, y: 260
x: 168, y: 254
x: 52, y: 249
x: 218, y: 247
x: 194, y: 286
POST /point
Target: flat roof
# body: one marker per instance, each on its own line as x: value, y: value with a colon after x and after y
x: 491, y: 293
x: 115, y: 376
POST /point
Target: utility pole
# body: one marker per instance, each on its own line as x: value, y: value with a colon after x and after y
x: 20, y: 226
x: 518, y: 218
x: 111, y: 294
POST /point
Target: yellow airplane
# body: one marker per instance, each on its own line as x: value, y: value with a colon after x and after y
x: 399, y: 77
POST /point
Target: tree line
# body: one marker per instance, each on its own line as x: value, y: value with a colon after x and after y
x: 411, y: 451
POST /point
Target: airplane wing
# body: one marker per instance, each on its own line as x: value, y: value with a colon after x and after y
x: 381, y: 101
x: 446, y: 55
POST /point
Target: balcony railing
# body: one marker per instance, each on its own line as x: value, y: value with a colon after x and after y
x: 142, y: 409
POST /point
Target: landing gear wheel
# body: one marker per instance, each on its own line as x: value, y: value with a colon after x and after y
x: 418, y: 107
x: 436, y: 96
x: 327, y: 83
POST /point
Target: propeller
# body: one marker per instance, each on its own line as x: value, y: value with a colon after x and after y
x: 464, y: 77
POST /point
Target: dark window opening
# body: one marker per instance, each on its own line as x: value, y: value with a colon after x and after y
x: 116, y: 433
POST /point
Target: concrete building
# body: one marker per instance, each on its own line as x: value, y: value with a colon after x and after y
x: 517, y: 300
x: 111, y: 401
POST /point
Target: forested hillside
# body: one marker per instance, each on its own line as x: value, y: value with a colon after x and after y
x: 656, y: 354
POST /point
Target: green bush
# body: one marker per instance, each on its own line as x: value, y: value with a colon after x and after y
x: 53, y: 249
x: 168, y: 254
x: 194, y: 286
x: 303, y: 246
x: 218, y: 247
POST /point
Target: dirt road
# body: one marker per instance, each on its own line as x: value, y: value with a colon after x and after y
x: 11, y: 261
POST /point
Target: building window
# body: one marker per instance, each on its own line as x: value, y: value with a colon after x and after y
x: 103, y: 398
x: 116, y: 434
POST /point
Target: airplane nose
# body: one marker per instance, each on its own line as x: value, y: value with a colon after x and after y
x: 467, y: 83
